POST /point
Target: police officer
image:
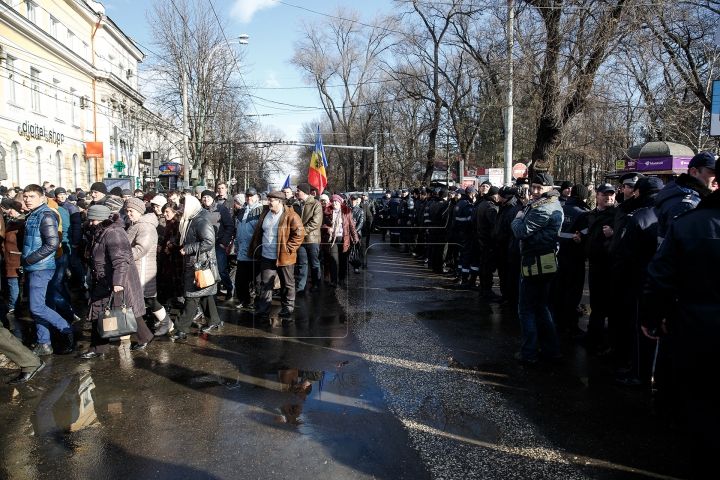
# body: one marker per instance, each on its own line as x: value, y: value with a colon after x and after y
x: 501, y: 234
x: 394, y: 215
x: 570, y: 279
x: 461, y: 231
x: 384, y: 213
x: 598, y: 225
x: 418, y: 223
x: 406, y: 209
x: 369, y: 210
x: 439, y: 215
x: 486, y: 214
x: 634, y: 252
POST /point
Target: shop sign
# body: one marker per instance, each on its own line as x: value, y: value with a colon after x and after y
x: 33, y: 130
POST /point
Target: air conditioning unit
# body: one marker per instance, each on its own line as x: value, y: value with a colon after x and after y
x: 129, y: 73
x: 84, y: 102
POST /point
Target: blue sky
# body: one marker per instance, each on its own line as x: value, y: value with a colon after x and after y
x: 272, y: 27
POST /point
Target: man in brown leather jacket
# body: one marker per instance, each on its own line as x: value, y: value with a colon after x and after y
x: 277, y: 236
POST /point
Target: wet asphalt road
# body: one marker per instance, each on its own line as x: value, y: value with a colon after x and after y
x: 359, y: 385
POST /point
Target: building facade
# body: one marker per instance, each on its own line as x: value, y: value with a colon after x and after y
x: 70, y: 110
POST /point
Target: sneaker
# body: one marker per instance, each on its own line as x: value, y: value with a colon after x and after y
x: 42, y: 349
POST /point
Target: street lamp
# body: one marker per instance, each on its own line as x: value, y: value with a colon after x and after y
x: 200, y: 138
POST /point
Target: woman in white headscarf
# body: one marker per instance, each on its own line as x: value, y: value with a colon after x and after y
x: 197, y: 237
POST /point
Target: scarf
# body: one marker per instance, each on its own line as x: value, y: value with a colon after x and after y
x: 335, y: 223
x: 192, y: 208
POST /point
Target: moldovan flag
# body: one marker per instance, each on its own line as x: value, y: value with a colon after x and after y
x: 318, y: 165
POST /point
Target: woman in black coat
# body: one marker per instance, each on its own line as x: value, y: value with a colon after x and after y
x: 112, y: 271
x: 197, y: 237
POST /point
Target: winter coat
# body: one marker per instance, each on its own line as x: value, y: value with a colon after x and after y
x: 75, y: 227
x: 358, y: 216
x: 677, y: 197
x: 312, y: 217
x: 41, y: 239
x: 290, y: 236
x: 143, y: 240
x: 487, y: 212
x: 538, y: 230
x: 594, y: 242
x: 349, y: 232
x: 245, y: 230
x: 681, y: 277
x: 501, y: 231
x: 222, y: 222
x: 573, y: 209
x: 622, y: 214
x: 111, y: 263
x: 12, y: 245
x: 636, y: 248
x: 171, y: 280
x: 199, y: 246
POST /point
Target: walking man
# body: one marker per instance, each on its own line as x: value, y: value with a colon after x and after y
x: 311, y: 215
x: 278, y: 234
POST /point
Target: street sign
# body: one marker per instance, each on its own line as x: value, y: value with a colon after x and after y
x: 715, y: 110
x: 520, y: 170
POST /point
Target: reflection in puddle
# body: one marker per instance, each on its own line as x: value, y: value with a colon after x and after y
x: 69, y: 407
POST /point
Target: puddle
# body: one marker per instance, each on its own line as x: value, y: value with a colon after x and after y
x: 461, y: 424
x: 68, y: 407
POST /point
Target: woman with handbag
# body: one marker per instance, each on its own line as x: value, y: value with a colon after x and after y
x: 197, y: 237
x: 143, y: 238
x: 115, y: 285
x: 338, y: 232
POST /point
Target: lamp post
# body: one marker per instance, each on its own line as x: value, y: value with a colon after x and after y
x: 200, y: 137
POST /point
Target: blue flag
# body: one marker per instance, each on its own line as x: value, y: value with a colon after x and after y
x: 287, y: 183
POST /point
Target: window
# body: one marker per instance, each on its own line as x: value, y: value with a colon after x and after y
x: 74, y: 117
x: 88, y: 116
x: 53, y: 27
x: 35, y: 89
x: 15, y: 164
x: 71, y: 40
x: 10, y: 67
x: 56, y: 97
x: 31, y: 11
x: 85, y: 51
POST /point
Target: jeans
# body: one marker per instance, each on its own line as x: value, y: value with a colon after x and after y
x: 14, y: 284
x: 39, y: 283
x: 268, y: 271
x: 308, y: 253
x: 535, y: 321
x: 59, y: 300
x: 222, y: 264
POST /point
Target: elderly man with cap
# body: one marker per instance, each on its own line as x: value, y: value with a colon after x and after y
x: 686, y: 191
x: 277, y: 236
x: 221, y: 220
x: 635, y: 250
x: 537, y: 228
x: 594, y: 232
x: 311, y: 215
x: 247, y: 269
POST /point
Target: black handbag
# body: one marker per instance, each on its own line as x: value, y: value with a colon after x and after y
x: 354, y: 255
x: 116, y: 322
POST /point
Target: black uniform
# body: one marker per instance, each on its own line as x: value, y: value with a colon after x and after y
x: 486, y: 214
x: 501, y: 235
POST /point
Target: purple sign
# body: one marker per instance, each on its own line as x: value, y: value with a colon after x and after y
x: 653, y: 163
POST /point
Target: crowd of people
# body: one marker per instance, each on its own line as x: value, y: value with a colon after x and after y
x: 145, y: 249
x: 643, y: 245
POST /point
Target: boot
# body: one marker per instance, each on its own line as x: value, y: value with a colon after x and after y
x: 469, y: 283
x: 165, y: 326
x: 487, y: 292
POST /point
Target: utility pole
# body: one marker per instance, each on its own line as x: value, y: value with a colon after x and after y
x: 186, y: 153
x: 509, y: 94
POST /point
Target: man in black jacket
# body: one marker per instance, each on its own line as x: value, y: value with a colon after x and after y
x: 634, y: 252
x: 486, y: 213
x: 683, y: 277
x: 598, y: 225
x: 501, y: 234
x: 369, y: 210
x: 569, y: 281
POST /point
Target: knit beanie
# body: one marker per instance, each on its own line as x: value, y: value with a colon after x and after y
x: 136, y: 204
x: 580, y: 191
x: 98, y: 212
x: 99, y: 187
